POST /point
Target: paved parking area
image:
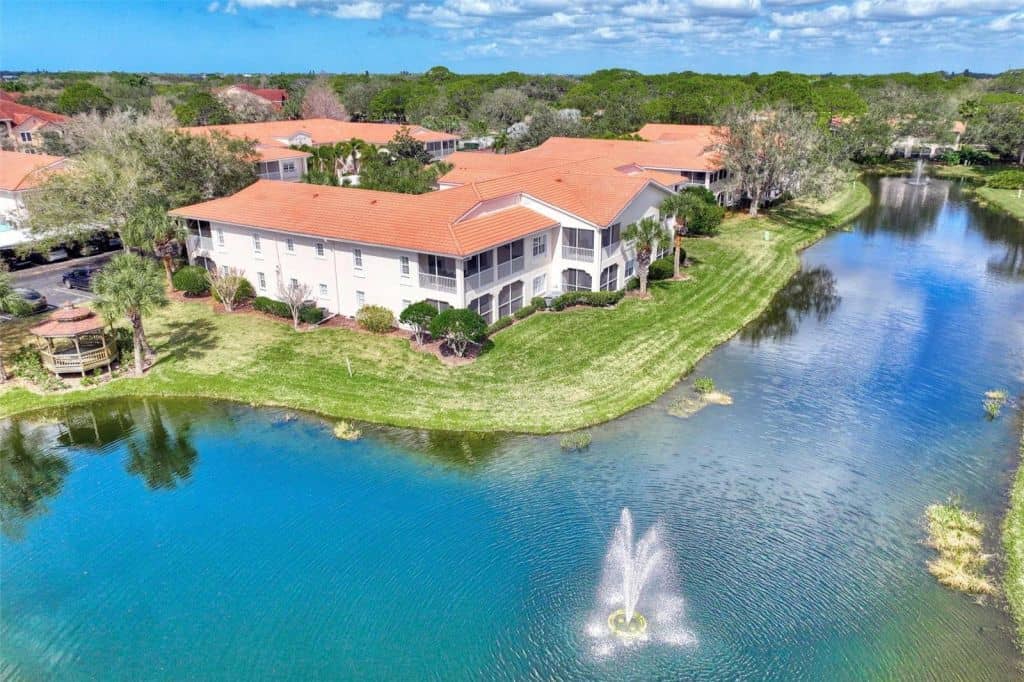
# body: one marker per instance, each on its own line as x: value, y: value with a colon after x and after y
x: 46, y: 279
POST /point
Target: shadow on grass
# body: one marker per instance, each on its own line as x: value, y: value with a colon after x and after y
x: 190, y: 339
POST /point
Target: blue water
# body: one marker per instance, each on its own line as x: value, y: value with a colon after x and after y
x: 185, y: 540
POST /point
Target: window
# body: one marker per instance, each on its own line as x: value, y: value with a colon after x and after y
x: 630, y: 267
x: 540, y: 285
x: 293, y: 283
x: 256, y: 245
x: 404, y: 265
x: 611, y: 235
x: 268, y: 169
x: 220, y: 237
x: 261, y: 280
x: 289, y: 245
x: 540, y: 245
x: 288, y: 166
x: 319, y: 248
x: 406, y: 303
x: 481, y: 262
x: 357, y: 259
x: 360, y: 299
x: 26, y: 137
x: 580, y: 239
x: 440, y: 305
x: 510, y: 251
x: 223, y: 271
x: 437, y: 265
x: 610, y: 278
x: 483, y: 306
x: 323, y: 291
x: 576, y: 280
x: 510, y: 299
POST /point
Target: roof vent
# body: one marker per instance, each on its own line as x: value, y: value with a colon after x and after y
x: 316, y: 194
x: 372, y: 202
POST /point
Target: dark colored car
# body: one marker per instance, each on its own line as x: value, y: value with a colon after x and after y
x: 36, y: 301
x: 79, y: 278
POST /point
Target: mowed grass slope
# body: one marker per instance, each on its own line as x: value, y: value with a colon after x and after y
x: 1007, y: 199
x: 551, y: 372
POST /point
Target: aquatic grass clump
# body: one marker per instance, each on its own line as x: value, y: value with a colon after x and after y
x: 345, y: 431
x: 704, y: 385
x: 994, y: 402
x: 575, y: 441
x: 955, y: 534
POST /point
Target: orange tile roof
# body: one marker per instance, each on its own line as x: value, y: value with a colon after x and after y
x: 437, y: 222
x: 321, y: 130
x: 19, y: 113
x: 20, y: 171
x: 691, y: 154
x: 277, y: 153
x: 675, y: 132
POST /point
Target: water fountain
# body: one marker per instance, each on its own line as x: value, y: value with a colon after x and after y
x: 637, y: 602
x: 919, y: 177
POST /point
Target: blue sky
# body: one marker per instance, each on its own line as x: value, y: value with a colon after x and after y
x: 541, y: 36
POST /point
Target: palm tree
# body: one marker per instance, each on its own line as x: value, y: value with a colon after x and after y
x: 501, y: 142
x: 153, y: 231
x: 10, y: 302
x: 679, y: 207
x: 646, y: 235
x: 353, y: 152
x: 130, y: 286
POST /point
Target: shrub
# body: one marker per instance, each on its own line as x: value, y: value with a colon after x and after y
x: 192, y: 280
x: 311, y: 315
x: 500, y: 324
x: 596, y: 299
x: 271, y: 307
x: 345, y: 431
x: 994, y: 401
x: 538, y: 303
x: 27, y: 365
x: 575, y: 441
x: 418, y: 316
x: 632, y: 284
x: 376, y: 319
x: 524, y: 312
x: 1007, y: 179
x: 704, y: 385
x: 244, y: 292
x: 459, y: 327
x: 663, y: 268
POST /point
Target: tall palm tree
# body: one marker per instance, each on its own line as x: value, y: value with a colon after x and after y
x: 646, y: 235
x: 353, y: 152
x: 153, y: 231
x: 679, y: 207
x: 130, y: 286
x: 501, y: 142
x: 11, y: 303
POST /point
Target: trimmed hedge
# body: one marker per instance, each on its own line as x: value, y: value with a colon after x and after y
x: 663, y: 268
x: 597, y: 299
x: 538, y: 303
x: 244, y: 293
x: 524, y: 312
x: 192, y: 280
x: 271, y: 307
x: 376, y: 319
x: 500, y: 324
x: 311, y: 315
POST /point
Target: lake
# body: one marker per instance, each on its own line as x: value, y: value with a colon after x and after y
x: 178, y: 539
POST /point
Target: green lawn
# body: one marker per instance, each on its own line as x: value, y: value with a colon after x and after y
x: 552, y: 372
x: 1005, y: 199
x: 1013, y: 544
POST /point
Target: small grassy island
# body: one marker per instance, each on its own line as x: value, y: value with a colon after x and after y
x: 552, y: 372
x: 955, y: 534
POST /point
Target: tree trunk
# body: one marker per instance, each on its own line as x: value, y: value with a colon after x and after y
x: 137, y: 349
x: 754, y: 201
x: 677, y: 248
x: 167, y: 271
x: 295, y: 318
x: 3, y: 370
x: 642, y: 269
x: 139, y: 334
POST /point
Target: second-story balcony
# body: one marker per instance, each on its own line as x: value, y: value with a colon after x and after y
x: 578, y: 253
x: 510, y: 267
x: 480, y: 279
x: 437, y: 282
x: 197, y: 243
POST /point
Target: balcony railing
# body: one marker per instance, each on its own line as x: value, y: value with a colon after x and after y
x: 480, y: 279
x: 72, y: 361
x: 197, y: 243
x: 437, y: 282
x: 577, y: 253
x: 510, y: 267
x: 611, y: 250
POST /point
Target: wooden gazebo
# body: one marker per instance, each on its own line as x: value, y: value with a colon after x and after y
x: 73, y: 341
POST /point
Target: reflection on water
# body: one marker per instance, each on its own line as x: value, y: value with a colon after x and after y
x: 30, y: 474
x: 811, y: 290
x: 897, y: 207
x: 162, y: 455
x: 1006, y: 231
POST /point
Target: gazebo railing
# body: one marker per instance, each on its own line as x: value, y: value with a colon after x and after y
x: 76, y: 362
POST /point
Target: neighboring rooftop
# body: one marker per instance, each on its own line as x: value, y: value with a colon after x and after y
x: 676, y: 132
x: 19, y: 114
x: 20, y: 171
x: 276, y: 96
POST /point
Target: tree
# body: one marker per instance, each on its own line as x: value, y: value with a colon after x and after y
x: 695, y: 210
x: 504, y: 106
x: 418, y: 316
x: 404, y: 146
x: 294, y: 295
x: 501, y: 142
x: 772, y: 152
x: 202, y: 109
x: 225, y: 286
x: 153, y: 231
x: 646, y: 236
x: 1001, y: 127
x: 320, y: 101
x: 353, y: 152
x: 246, y: 107
x: 459, y: 327
x: 12, y: 304
x: 407, y: 176
x: 130, y: 286
x: 83, y: 96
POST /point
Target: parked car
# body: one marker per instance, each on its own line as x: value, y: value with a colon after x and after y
x: 113, y: 241
x: 79, y: 278
x: 50, y: 255
x: 35, y: 300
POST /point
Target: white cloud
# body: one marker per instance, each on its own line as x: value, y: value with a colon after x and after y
x: 362, y: 9
x: 726, y: 7
x: 1010, y: 22
x: 213, y: 6
x: 484, y: 50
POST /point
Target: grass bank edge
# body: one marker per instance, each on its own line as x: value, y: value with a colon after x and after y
x: 1013, y: 543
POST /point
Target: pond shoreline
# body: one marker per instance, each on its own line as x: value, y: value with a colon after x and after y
x: 737, y: 275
